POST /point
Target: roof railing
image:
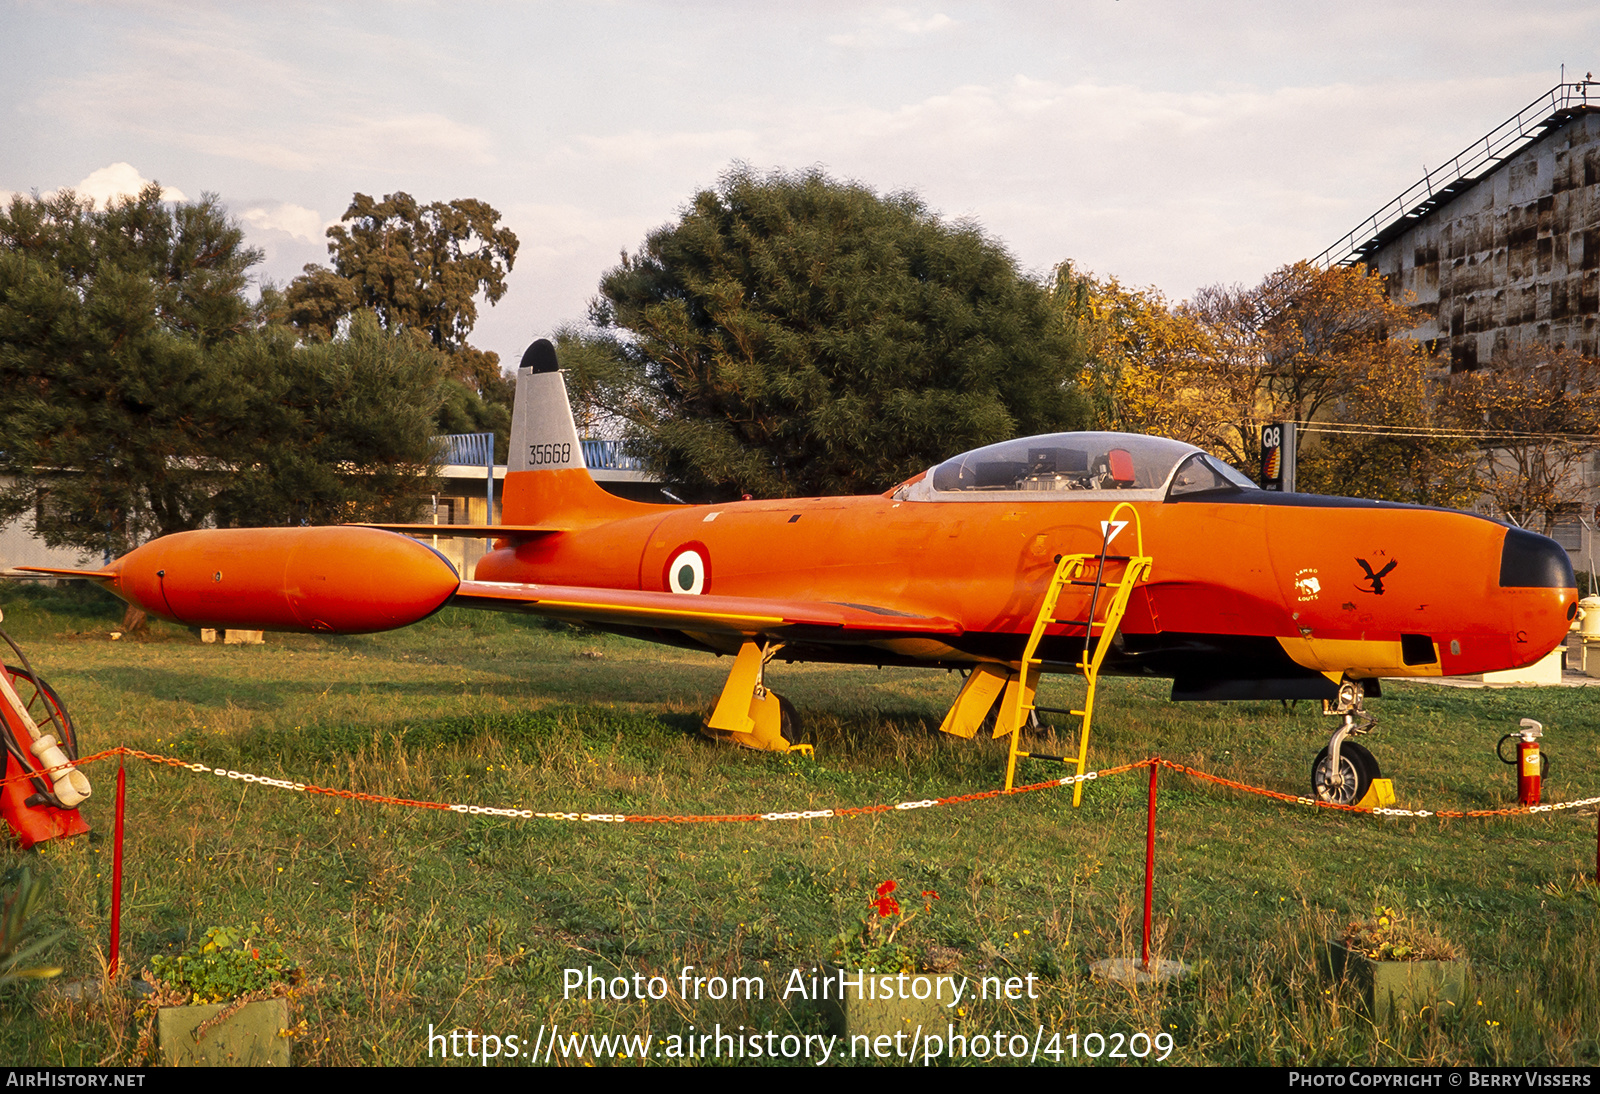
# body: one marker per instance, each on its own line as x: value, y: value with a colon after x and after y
x: 468, y: 449
x: 599, y: 454
x: 1442, y: 183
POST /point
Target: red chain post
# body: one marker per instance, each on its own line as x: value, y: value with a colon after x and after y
x: 116, y: 871
x: 1150, y: 861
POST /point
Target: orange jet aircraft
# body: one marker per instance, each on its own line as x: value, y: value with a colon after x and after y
x: 1073, y: 552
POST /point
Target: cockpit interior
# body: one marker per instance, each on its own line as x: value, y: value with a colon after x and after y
x: 1113, y: 463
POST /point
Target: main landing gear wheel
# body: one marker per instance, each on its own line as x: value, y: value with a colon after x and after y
x: 1357, y: 769
x: 775, y: 726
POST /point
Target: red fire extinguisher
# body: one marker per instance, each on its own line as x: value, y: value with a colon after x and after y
x: 1530, y: 761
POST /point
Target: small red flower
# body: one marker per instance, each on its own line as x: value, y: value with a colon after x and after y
x: 886, y: 904
x: 886, y: 888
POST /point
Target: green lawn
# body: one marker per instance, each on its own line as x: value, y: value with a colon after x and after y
x: 404, y: 919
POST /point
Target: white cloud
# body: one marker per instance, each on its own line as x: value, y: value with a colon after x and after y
x: 120, y: 180
x: 880, y: 27
x: 345, y: 143
x: 294, y: 220
x: 1180, y: 187
x: 224, y: 85
x: 908, y: 23
x: 638, y: 147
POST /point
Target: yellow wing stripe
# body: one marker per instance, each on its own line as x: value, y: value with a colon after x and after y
x: 675, y: 613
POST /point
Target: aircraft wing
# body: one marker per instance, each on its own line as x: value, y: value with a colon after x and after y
x: 57, y: 571
x: 741, y: 615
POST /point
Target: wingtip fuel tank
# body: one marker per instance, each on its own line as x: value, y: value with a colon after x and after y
x: 340, y: 580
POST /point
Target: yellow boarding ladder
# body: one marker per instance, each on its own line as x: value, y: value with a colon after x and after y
x: 1104, y: 583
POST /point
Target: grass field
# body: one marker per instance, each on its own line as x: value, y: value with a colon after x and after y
x: 404, y: 919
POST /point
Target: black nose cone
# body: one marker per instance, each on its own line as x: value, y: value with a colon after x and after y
x: 1528, y: 561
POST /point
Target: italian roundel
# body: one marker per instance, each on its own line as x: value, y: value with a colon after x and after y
x: 687, y: 571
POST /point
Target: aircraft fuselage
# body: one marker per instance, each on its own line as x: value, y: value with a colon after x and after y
x: 1277, y: 586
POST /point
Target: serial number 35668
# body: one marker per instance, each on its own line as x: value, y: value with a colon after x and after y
x: 549, y: 453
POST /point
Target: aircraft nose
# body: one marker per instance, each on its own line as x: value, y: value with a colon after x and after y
x: 1529, y: 561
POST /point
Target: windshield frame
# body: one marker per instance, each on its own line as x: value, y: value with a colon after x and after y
x: 1179, y: 452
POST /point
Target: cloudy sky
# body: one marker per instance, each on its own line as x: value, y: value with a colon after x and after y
x: 1177, y: 144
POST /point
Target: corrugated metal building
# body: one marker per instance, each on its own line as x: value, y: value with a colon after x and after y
x: 1501, y: 245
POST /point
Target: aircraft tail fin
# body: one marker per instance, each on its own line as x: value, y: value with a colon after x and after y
x: 547, y: 481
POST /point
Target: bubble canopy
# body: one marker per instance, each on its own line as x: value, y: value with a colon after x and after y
x: 1080, y: 464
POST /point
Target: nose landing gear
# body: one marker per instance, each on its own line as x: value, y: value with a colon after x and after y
x: 1344, y: 772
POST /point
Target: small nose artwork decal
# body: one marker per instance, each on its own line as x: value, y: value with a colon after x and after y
x: 1376, y: 579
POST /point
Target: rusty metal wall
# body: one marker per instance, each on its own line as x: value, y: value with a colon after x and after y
x: 1514, y: 259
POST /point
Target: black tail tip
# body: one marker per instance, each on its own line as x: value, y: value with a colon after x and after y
x: 541, y: 357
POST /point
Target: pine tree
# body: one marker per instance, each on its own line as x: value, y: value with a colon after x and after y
x: 138, y: 397
x: 795, y: 335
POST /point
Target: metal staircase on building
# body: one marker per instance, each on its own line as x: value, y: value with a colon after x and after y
x: 1554, y: 108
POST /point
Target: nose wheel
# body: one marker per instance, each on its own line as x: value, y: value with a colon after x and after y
x: 1353, y: 778
x: 1343, y: 772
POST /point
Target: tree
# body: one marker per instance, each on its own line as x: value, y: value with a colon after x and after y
x: 1212, y: 370
x: 464, y: 410
x: 1150, y: 368
x: 109, y: 397
x: 795, y: 335
x: 609, y: 397
x: 418, y: 267
x: 1298, y: 345
x: 1307, y: 344
x: 1396, y: 436
x: 190, y: 259
x: 319, y: 302
x: 1538, y: 421
x: 138, y: 398
x: 332, y: 432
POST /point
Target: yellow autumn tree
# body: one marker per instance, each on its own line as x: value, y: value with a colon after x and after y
x: 1301, y: 346
x: 1311, y: 345
x: 1149, y: 367
x: 1397, y: 435
x: 1537, y: 420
